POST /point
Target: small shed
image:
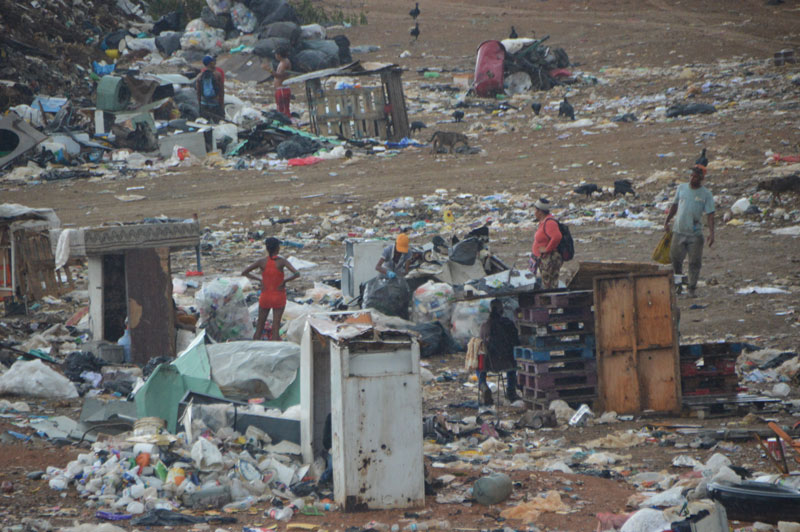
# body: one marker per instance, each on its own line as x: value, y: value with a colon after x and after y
x: 27, y: 266
x: 374, y: 111
x: 130, y: 277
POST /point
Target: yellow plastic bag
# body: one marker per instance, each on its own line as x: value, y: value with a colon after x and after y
x: 661, y: 253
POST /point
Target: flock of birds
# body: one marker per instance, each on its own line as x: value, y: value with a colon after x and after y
x: 414, y: 14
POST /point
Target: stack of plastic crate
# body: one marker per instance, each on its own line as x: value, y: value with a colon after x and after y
x: 557, y: 358
x: 709, y: 369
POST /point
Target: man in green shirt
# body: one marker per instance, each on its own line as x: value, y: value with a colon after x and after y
x: 692, y: 201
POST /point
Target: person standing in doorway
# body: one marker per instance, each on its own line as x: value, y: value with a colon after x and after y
x: 692, y: 201
x: 273, y: 287
x: 545, y: 242
x: 283, y: 94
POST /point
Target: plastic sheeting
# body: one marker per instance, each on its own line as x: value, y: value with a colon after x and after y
x: 223, y: 310
x: 35, y: 379
x: 254, y: 368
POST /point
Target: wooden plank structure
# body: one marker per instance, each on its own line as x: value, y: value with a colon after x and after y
x: 637, y: 343
x: 588, y: 270
x: 377, y: 111
x: 27, y: 265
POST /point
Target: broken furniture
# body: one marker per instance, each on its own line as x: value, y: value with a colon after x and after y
x: 489, y: 69
x: 377, y: 111
x: 129, y: 277
x: 368, y: 381
x: 557, y: 358
x: 16, y: 138
x: 27, y: 266
x: 637, y: 343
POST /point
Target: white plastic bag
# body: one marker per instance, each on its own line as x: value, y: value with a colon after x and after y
x: 223, y: 310
x: 201, y: 36
x: 433, y: 302
x: 205, y: 455
x: 253, y: 368
x: 33, y: 378
x: 468, y: 316
x: 244, y: 19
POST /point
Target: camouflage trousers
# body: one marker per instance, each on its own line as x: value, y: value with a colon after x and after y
x: 549, y: 266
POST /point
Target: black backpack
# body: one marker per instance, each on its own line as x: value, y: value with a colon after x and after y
x: 567, y: 246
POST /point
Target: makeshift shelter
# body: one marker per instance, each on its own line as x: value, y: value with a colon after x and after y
x: 27, y: 267
x: 129, y: 277
x: 357, y: 112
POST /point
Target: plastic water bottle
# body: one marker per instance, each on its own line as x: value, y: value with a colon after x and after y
x: 242, y: 504
x: 281, y: 514
x: 492, y: 489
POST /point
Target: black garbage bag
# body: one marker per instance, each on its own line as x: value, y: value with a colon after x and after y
x: 169, y: 22
x: 169, y: 42
x: 111, y: 40
x: 266, y: 47
x: 186, y: 100
x: 79, y: 361
x: 283, y: 30
x: 297, y: 146
x: 152, y: 364
x: 273, y: 115
x: 311, y: 60
x: 282, y: 12
x: 466, y: 251
x: 327, y: 46
x: 434, y: 339
x: 222, y: 21
x: 682, y: 109
x: 389, y: 296
x: 344, y: 49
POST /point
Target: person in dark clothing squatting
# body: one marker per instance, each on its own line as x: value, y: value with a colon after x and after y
x: 499, y: 335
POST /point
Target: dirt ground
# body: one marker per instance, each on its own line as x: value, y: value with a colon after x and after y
x: 654, y: 42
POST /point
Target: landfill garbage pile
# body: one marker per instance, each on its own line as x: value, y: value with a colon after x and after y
x: 530, y: 65
x: 49, y: 49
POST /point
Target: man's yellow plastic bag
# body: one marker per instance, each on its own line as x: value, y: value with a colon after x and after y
x: 661, y: 253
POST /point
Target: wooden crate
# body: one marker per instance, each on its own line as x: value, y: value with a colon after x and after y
x: 637, y: 343
x: 352, y: 113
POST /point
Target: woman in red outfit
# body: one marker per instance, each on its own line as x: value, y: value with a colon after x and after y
x: 273, y: 287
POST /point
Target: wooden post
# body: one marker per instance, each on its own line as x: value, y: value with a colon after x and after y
x: 151, y: 316
x: 313, y: 93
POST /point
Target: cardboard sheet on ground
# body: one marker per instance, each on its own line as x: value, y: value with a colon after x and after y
x: 254, y: 368
x: 530, y: 511
x: 161, y: 394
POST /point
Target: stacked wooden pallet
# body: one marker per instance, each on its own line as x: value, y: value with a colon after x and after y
x: 557, y: 358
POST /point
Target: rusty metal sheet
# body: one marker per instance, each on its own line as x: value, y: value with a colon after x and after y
x: 151, y: 316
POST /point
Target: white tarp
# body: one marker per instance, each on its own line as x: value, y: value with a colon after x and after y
x: 253, y: 368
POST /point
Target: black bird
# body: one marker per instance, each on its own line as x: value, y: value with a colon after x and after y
x: 623, y: 186
x: 513, y: 34
x: 458, y: 115
x: 587, y: 188
x: 702, y: 159
x: 415, y: 31
x: 414, y: 12
x: 565, y: 109
x: 416, y: 125
x: 536, y: 106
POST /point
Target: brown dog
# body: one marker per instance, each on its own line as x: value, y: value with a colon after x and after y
x: 447, y: 139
